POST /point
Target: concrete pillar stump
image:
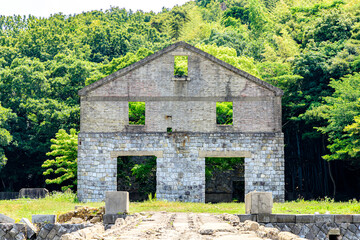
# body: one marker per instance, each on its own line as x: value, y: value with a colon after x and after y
x: 116, y: 202
x: 258, y: 202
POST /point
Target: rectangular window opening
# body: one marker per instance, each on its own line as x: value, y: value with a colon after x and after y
x: 224, y: 113
x: 180, y: 66
x: 137, y: 175
x: 224, y: 179
x: 137, y: 113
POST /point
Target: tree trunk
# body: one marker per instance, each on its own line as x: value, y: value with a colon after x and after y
x: 332, y: 179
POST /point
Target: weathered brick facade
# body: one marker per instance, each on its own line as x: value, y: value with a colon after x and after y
x: 188, y: 106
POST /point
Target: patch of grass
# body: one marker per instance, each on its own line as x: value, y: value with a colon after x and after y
x: 321, y: 206
x: 293, y: 207
x: 186, y: 207
x: 55, y: 203
x: 58, y: 203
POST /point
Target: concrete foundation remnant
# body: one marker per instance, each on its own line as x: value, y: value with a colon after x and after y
x: 116, y: 202
x: 258, y: 203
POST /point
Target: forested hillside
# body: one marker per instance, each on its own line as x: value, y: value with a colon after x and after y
x: 308, y: 48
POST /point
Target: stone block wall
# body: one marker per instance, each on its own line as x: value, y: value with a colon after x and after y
x: 19, y: 231
x: 180, y: 161
x: 12, y: 231
x: 183, y: 105
x: 187, y: 106
x: 55, y: 231
x: 311, y: 226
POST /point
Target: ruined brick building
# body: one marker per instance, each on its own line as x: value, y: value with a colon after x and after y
x: 187, y: 107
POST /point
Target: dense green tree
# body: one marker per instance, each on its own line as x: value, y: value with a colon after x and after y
x: 229, y: 55
x: 63, y: 169
x: 341, y: 112
x: 237, y: 12
x: 5, y: 136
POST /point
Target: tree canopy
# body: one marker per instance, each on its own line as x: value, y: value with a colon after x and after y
x: 308, y: 48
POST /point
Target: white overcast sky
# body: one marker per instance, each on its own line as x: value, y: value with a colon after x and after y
x: 43, y: 8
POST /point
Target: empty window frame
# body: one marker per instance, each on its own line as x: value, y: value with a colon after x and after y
x: 137, y: 113
x: 224, y: 113
x: 137, y: 175
x: 180, y: 66
x: 224, y: 173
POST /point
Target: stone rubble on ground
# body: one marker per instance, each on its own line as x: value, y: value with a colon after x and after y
x: 163, y: 225
x: 84, y: 213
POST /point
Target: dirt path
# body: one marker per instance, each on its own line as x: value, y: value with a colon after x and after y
x: 184, y: 226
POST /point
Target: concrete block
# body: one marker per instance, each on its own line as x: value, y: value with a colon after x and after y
x: 116, y: 202
x: 6, y: 219
x: 285, y: 218
x: 304, y: 218
x: 258, y: 202
x: 342, y: 218
x: 31, y: 230
x: 266, y: 218
x: 111, y: 218
x: 43, y: 219
x: 356, y: 218
x: 324, y: 218
x: 33, y: 193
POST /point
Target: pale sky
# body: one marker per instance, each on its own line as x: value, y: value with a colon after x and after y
x: 43, y: 8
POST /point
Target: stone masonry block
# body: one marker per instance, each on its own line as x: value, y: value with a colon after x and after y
x: 266, y: 218
x: 356, y: 218
x: 20, y: 236
x: 116, y: 202
x: 6, y: 219
x: 305, y: 218
x: 43, y: 218
x: 31, y: 230
x: 324, y: 218
x: 258, y: 202
x: 2, y: 232
x: 285, y: 218
x: 341, y: 218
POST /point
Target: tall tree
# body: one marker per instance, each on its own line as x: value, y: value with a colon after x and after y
x: 5, y: 136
